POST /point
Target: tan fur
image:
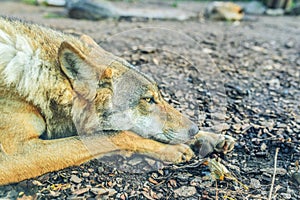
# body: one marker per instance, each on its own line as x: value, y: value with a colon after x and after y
x: 60, y: 97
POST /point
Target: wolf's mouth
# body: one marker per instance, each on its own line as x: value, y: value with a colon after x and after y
x: 168, y: 138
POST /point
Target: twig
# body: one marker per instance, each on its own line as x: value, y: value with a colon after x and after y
x: 217, y: 192
x: 274, y: 174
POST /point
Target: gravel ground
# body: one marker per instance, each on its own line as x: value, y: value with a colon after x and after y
x: 240, y: 79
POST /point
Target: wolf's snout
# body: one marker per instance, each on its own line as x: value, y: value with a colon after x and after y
x: 193, y: 130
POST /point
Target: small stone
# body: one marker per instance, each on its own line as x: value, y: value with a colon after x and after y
x: 75, y: 179
x: 150, y: 161
x: 254, y: 183
x: 124, y: 196
x: 111, y: 192
x: 206, y: 50
x: 279, y: 171
x: 259, y: 49
x: 289, y: 44
x: 275, y: 12
x: 286, y: 195
x: 91, y: 170
x: 185, y: 191
x: 86, y: 174
x: 155, y: 61
x: 81, y: 191
x: 296, y: 177
x: 99, y: 191
x: 219, y: 116
x: 135, y: 161
x: 237, y: 127
x: 254, y: 8
x: 220, y: 127
x: 263, y: 147
x: 100, y: 170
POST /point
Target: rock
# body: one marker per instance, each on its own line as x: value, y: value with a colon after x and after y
x: 86, y: 174
x: 99, y: 191
x: 296, y: 177
x: 275, y: 12
x: 103, y: 191
x: 100, y: 170
x: 286, y: 195
x: 259, y: 49
x: 270, y: 171
x: 91, y: 9
x: 207, y: 50
x: 220, y: 127
x: 219, y: 116
x: 81, y: 191
x: 100, y: 9
x: 254, y: 183
x: 75, y: 179
x: 289, y: 44
x: 263, y: 147
x: 135, y: 161
x: 254, y: 8
x: 185, y: 191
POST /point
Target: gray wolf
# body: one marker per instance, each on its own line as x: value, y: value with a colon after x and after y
x: 65, y: 100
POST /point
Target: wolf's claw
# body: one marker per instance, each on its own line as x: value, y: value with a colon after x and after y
x: 205, y: 143
x: 226, y: 144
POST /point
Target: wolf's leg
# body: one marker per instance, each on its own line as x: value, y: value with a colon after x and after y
x: 127, y: 140
x: 38, y: 156
x: 24, y: 155
x: 41, y: 156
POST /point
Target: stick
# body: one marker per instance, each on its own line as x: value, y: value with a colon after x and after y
x: 274, y: 174
x: 217, y: 192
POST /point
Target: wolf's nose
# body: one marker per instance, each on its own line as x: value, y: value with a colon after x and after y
x: 193, y: 130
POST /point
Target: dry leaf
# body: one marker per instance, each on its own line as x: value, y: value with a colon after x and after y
x: 220, y: 172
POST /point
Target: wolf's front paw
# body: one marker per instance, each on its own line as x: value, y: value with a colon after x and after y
x: 176, y: 153
x: 225, y: 144
x: 205, y: 143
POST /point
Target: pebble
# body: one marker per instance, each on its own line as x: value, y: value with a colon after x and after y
x: 103, y: 191
x: 275, y: 12
x: 219, y: 116
x: 185, y: 191
x: 86, y: 174
x: 100, y: 170
x: 289, y: 44
x: 286, y: 195
x: 75, y: 179
x: 221, y: 127
x: 279, y: 171
x: 296, y: 177
x: 99, y: 191
x: 263, y: 147
x: 135, y: 161
x: 254, y: 183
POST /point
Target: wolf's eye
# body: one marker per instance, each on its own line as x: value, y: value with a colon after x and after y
x: 149, y: 100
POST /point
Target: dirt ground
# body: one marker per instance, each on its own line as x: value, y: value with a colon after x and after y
x: 236, y: 78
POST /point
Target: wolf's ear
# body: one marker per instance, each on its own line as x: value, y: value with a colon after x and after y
x: 88, y: 40
x: 73, y: 63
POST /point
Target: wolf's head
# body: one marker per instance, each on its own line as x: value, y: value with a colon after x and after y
x: 109, y: 94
